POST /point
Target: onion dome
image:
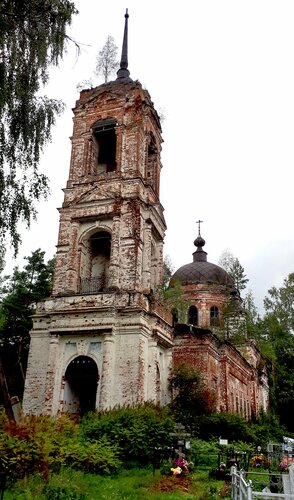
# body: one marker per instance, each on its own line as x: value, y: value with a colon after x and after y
x: 202, y: 272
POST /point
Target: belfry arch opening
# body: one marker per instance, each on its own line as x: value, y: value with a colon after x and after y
x: 152, y: 159
x: 104, y: 145
x: 100, y: 244
x: 80, y: 388
x: 97, y: 260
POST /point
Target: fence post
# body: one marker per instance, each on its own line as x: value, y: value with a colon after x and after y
x: 291, y: 479
x: 249, y: 490
x: 233, y: 472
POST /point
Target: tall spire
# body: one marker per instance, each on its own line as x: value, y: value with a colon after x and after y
x: 123, y: 73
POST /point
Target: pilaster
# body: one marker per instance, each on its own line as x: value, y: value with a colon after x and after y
x: 106, y: 387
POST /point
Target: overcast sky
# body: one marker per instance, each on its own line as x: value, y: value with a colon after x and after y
x: 222, y: 73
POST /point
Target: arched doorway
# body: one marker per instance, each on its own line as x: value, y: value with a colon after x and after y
x: 81, y: 378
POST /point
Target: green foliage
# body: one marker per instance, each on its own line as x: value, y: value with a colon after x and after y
x: 236, y: 429
x: 284, y: 379
x: 190, y: 399
x: 63, y: 493
x: 279, y: 304
x: 274, y: 337
x: 100, y: 457
x: 20, y: 293
x: 132, y: 485
x: 43, y: 444
x: 97, y: 445
x: 64, y: 486
x: 32, y: 38
x: 170, y: 293
x: 137, y: 431
x: 229, y: 426
x: 204, y: 453
x: 233, y: 267
x: 168, y: 270
x: 175, y: 300
x: 250, y: 308
x: 267, y: 428
x: 238, y: 274
x: 209, y: 453
x: 27, y: 447
x: 107, y: 61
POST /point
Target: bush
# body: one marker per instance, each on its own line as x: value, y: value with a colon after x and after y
x: 98, y: 444
x: 191, y: 400
x: 63, y: 493
x: 137, y: 432
x: 268, y: 429
x: 43, y: 444
x: 204, y: 453
x: 28, y: 447
x: 99, y: 457
x: 229, y: 426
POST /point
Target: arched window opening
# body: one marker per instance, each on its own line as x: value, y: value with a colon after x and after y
x: 104, y: 145
x: 81, y: 378
x: 214, y: 316
x: 193, y: 316
x: 99, y: 248
x: 175, y: 316
x: 151, y: 161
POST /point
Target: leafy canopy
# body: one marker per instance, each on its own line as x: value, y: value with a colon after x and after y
x: 278, y: 325
x: 32, y: 38
x: 233, y: 267
x: 190, y: 398
x: 136, y: 430
x: 19, y: 294
x: 280, y: 303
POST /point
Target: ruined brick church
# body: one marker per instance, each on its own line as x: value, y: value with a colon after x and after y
x: 103, y: 338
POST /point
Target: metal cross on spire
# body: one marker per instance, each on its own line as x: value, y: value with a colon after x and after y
x: 199, y: 222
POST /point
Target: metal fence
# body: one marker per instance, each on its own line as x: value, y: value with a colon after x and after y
x: 242, y: 488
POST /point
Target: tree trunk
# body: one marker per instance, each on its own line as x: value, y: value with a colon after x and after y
x: 5, y: 394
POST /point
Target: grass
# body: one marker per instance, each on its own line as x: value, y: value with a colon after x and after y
x: 136, y: 484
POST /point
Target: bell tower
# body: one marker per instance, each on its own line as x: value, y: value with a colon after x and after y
x: 102, y: 339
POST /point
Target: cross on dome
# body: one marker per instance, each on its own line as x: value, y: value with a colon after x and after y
x: 199, y: 222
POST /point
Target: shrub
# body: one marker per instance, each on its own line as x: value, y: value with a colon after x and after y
x: 229, y: 426
x: 63, y: 493
x: 191, y: 400
x: 137, y: 431
x: 99, y: 456
x: 267, y: 429
x: 28, y: 447
x: 204, y: 453
x: 43, y: 444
